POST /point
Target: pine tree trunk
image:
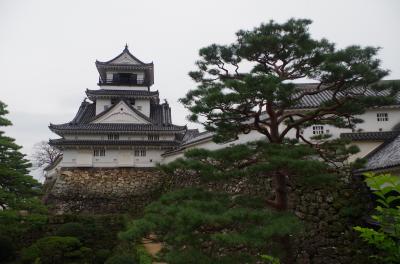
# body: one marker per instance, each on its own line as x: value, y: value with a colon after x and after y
x: 281, y: 200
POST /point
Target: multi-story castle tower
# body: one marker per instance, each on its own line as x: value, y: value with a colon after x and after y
x: 124, y: 125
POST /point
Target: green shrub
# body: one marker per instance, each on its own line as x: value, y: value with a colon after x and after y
x: 386, y: 236
x: 55, y: 250
x: 121, y: 259
x: 7, y: 249
x: 142, y: 255
x: 101, y: 255
x: 72, y: 229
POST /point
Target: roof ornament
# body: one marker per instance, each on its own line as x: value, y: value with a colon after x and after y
x: 126, y: 46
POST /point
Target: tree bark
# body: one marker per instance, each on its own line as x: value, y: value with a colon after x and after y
x: 281, y: 200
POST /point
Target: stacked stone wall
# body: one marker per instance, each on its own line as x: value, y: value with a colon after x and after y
x: 328, y: 212
x: 102, y: 190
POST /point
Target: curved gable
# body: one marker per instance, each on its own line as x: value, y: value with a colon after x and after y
x: 121, y: 113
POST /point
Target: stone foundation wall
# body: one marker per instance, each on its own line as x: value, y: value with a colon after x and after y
x: 328, y: 212
x: 103, y: 190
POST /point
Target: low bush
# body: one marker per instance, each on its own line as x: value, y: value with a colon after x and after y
x: 142, y: 256
x: 101, y: 255
x: 72, y: 229
x: 56, y: 249
x: 7, y: 249
x: 121, y: 259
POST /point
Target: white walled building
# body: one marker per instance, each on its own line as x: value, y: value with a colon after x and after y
x: 125, y: 125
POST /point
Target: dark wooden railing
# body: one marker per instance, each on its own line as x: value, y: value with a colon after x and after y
x: 122, y: 81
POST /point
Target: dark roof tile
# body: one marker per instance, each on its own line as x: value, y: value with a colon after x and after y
x: 367, y: 136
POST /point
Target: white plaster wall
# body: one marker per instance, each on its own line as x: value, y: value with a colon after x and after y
x: 210, y: 145
x: 69, y: 158
x: 112, y: 158
x: 162, y: 137
x: 145, y: 104
x: 371, y: 123
x: 100, y: 104
x: 365, y: 148
x: 84, y: 158
x: 121, y: 113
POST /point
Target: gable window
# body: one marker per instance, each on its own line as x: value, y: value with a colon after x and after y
x: 382, y: 117
x: 113, y: 137
x: 153, y: 137
x: 100, y: 152
x: 139, y: 107
x: 318, y: 130
x: 140, y: 152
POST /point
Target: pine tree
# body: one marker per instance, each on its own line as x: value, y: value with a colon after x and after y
x: 16, y: 186
x: 250, y: 85
x: 203, y: 224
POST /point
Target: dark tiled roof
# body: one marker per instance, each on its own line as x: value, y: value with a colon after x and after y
x: 121, y: 93
x: 65, y: 142
x: 87, y: 113
x: 313, y: 101
x: 365, y: 136
x: 112, y: 127
x: 385, y: 156
x: 125, y: 51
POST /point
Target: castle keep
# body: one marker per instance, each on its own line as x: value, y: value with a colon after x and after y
x: 124, y: 125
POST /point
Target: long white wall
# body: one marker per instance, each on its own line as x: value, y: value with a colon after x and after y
x: 112, y: 158
x: 210, y: 145
x: 162, y: 137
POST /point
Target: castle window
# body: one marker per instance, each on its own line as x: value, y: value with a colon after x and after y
x: 318, y: 130
x: 139, y: 107
x: 101, y: 152
x: 140, y: 152
x: 113, y: 137
x: 382, y: 117
x: 153, y: 137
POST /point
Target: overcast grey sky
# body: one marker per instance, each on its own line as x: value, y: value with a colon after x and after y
x: 48, y: 48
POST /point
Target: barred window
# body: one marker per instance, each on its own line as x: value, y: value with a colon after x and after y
x: 382, y: 117
x: 140, y: 152
x: 101, y: 152
x: 153, y: 137
x: 113, y: 137
x: 139, y: 107
x: 318, y: 130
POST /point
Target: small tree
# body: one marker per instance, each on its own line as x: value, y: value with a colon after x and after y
x: 230, y: 100
x: 16, y: 186
x: 44, y: 154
